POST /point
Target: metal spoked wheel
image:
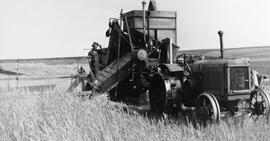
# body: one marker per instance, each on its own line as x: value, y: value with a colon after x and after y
x: 259, y: 104
x: 157, y: 94
x: 207, y: 109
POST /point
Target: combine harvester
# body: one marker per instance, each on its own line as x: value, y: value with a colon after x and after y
x: 143, y: 58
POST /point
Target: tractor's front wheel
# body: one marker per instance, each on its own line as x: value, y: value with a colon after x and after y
x: 259, y: 104
x: 207, y: 109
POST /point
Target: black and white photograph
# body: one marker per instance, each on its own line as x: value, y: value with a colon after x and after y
x: 134, y: 70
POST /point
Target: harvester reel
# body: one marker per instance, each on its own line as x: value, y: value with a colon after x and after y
x: 157, y: 94
x: 207, y: 109
x: 259, y: 104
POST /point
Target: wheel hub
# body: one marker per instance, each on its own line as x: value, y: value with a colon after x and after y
x: 258, y: 108
x: 204, y: 113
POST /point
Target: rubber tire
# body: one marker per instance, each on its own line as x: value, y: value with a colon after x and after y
x: 267, y: 100
x: 157, y: 94
x: 214, y: 105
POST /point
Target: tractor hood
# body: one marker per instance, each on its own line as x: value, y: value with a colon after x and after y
x: 205, y: 65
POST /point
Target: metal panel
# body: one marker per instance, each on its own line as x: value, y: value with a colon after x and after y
x: 153, y: 14
x: 163, y: 22
x: 162, y: 34
x: 203, y: 65
x: 154, y: 23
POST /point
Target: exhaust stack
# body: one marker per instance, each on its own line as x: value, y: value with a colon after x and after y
x: 143, y: 5
x: 220, y: 33
x: 171, y: 51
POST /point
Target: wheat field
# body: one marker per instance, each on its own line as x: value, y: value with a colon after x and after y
x: 54, y: 115
x: 57, y: 115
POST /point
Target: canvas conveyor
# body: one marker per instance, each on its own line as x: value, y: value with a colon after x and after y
x: 115, y: 72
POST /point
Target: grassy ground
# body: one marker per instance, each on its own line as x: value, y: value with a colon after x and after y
x: 57, y: 115
x: 63, y: 116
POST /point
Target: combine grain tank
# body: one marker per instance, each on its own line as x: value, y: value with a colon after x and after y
x: 159, y: 24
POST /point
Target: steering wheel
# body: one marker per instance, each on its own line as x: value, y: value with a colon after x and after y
x: 184, y: 58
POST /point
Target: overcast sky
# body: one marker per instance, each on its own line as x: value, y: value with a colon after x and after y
x: 57, y: 28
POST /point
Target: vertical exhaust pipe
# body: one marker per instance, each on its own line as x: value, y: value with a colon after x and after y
x: 171, y: 51
x: 143, y: 5
x: 220, y: 33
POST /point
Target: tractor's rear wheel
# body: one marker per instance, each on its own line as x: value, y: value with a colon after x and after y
x: 259, y: 104
x: 207, y: 109
x: 157, y: 94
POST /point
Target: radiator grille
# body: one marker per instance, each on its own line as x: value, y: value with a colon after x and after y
x: 239, y: 78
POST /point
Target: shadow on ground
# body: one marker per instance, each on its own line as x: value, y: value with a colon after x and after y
x: 7, y: 72
x: 176, y: 116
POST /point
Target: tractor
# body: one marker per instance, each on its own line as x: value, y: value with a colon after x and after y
x: 142, y: 59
